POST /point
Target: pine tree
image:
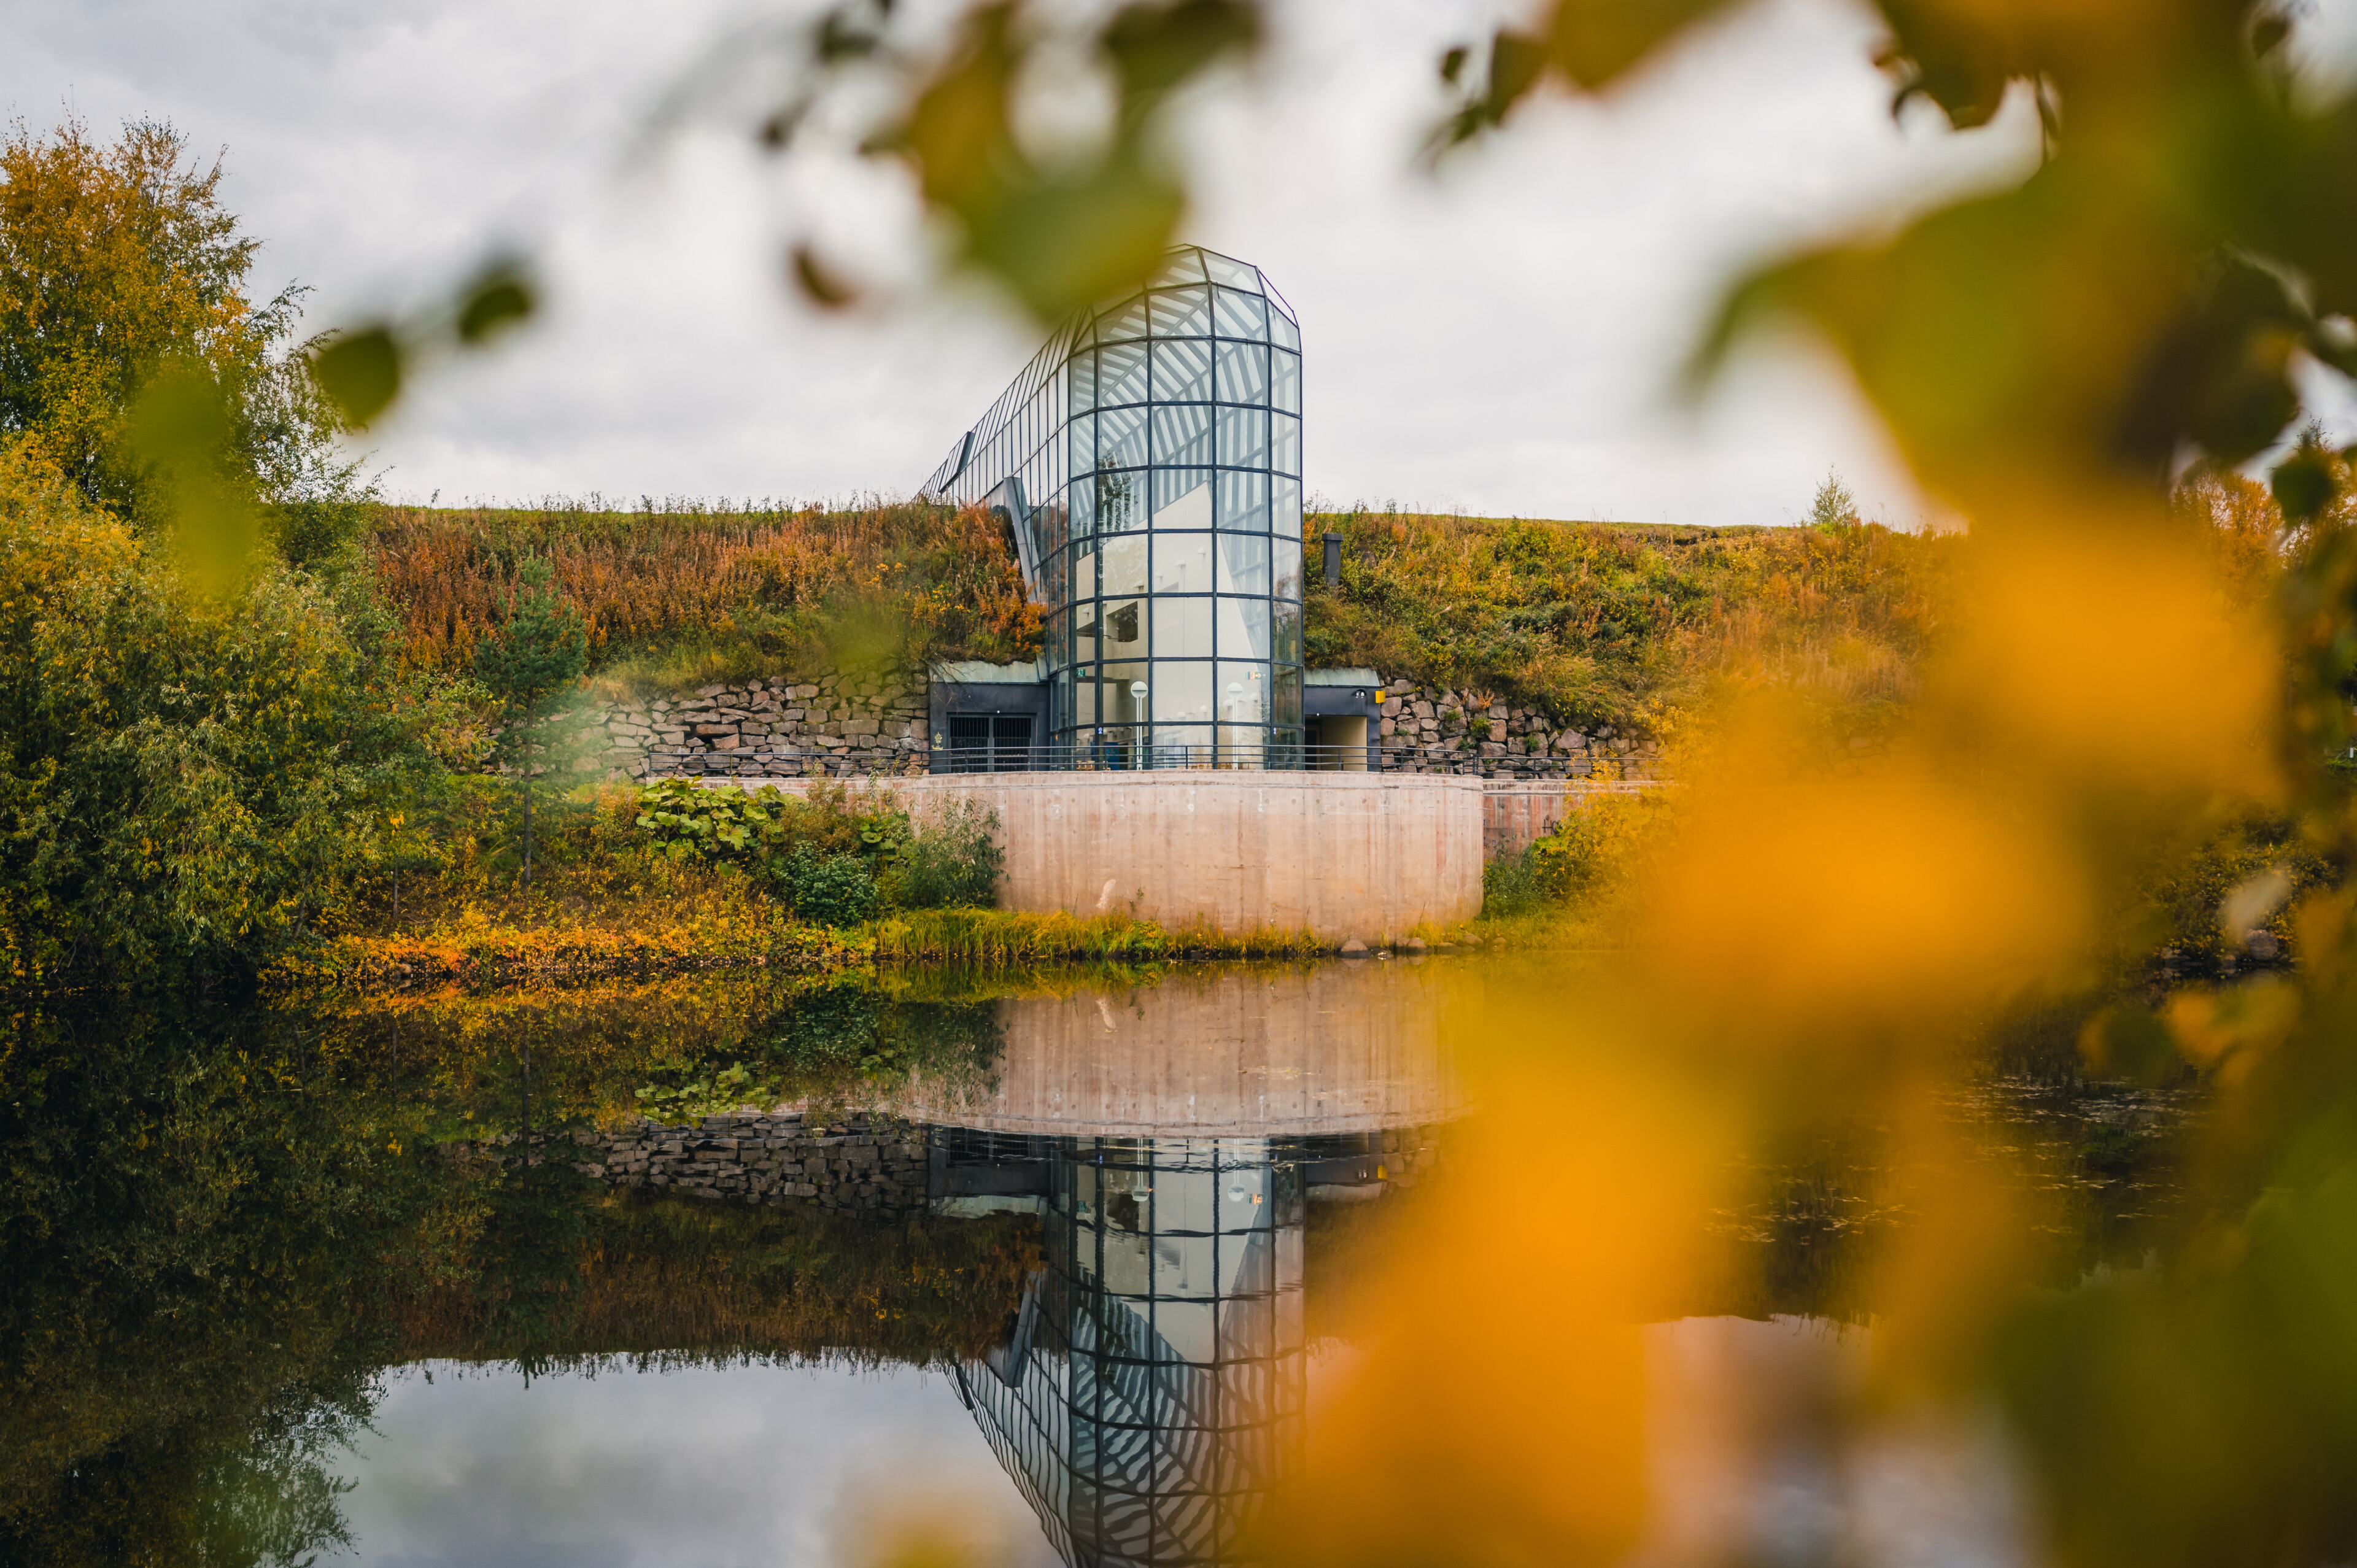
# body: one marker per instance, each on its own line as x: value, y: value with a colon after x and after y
x: 531, y: 662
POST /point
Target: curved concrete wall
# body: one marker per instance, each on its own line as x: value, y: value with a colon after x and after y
x: 1340, y: 854
x: 1343, y: 1048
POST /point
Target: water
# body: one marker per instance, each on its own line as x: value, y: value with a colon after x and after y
x: 279, y: 1281
x: 750, y: 1467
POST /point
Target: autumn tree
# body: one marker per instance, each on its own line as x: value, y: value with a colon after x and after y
x: 121, y: 271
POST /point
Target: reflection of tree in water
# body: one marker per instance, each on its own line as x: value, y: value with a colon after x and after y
x: 189, y: 1220
x: 217, y: 1228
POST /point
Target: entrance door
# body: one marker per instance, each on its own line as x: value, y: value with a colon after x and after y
x: 990, y: 743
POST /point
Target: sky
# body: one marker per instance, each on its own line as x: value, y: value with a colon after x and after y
x: 1497, y: 339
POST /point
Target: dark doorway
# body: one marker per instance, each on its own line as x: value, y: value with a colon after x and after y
x: 990, y: 743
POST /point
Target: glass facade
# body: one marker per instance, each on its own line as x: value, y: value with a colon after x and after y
x: 1148, y: 464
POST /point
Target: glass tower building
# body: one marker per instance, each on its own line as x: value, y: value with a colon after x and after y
x: 1148, y: 465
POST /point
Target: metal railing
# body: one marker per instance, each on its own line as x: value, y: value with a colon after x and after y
x: 1149, y: 756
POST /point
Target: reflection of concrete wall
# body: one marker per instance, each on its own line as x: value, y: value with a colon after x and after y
x: 1366, y: 855
x: 1341, y: 1048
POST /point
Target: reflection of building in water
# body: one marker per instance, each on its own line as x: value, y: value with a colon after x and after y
x: 1149, y: 1394
x: 1236, y: 1053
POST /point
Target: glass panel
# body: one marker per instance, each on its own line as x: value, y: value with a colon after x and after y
x: 1183, y: 435
x: 1081, y: 373
x: 1121, y: 438
x: 1223, y: 270
x: 1121, y: 374
x: 1182, y: 370
x: 1084, y: 495
x: 1241, y: 314
x: 1042, y: 524
x: 1054, y: 644
x: 1060, y: 578
x: 1244, y: 695
x: 1182, y: 629
x: 1286, y: 523
x: 1244, y: 438
x: 1182, y: 689
x: 1285, y: 627
x: 1128, y: 320
x: 1183, y: 498
x: 1120, y: 500
x: 1084, y: 696
x: 1121, y: 628
x: 1287, y: 709
x: 1122, y: 705
x: 1288, y: 566
x: 1286, y: 392
x: 1243, y: 563
x: 1125, y: 565
x: 1080, y: 440
x: 1243, y: 627
x: 1085, y: 631
x: 1284, y: 443
x: 1243, y: 500
x: 1281, y: 329
x: 1243, y: 373
x: 1182, y: 563
x: 1186, y: 267
x: 1182, y: 312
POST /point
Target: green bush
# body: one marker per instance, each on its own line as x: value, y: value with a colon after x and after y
x: 951, y: 863
x: 189, y: 779
x: 827, y: 889
x: 839, y: 857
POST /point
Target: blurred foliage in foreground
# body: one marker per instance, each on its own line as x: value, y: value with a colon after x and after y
x: 2046, y: 358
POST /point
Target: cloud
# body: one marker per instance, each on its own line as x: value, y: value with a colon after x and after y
x: 1497, y: 341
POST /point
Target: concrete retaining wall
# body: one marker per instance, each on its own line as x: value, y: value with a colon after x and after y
x: 1341, y: 855
x: 1515, y: 812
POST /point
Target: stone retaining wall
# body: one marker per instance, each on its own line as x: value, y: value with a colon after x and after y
x: 859, y: 1166
x: 868, y: 1165
x: 1441, y: 730
x: 841, y: 725
x: 826, y: 727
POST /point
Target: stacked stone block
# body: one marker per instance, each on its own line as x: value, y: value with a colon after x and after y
x: 824, y: 726
x: 1440, y: 730
x: 839, y: 726
x: 860, y: 1165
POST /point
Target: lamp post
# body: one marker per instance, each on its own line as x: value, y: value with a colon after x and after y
x: 1138, y: 710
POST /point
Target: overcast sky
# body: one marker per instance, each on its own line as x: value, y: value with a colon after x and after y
x: 1498, y: 341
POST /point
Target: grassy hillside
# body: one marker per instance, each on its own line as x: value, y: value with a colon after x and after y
x: 682, y: 593
x: 1593, y: 622
x: 1611, y: 622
